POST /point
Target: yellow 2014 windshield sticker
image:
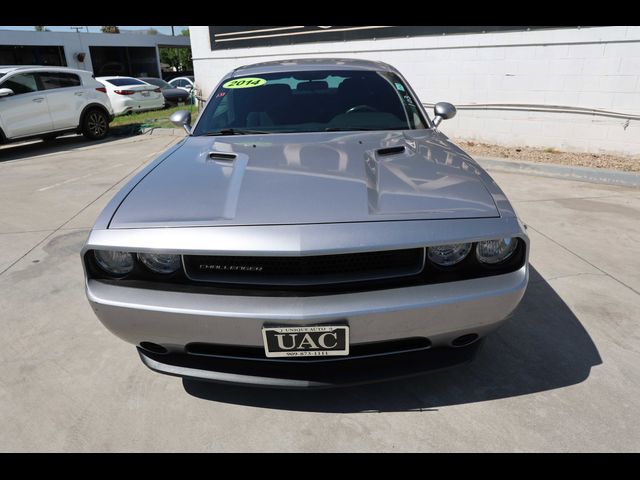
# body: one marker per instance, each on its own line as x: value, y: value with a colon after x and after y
x: 245, y: 82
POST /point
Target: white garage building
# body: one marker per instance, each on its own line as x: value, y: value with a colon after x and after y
x: 102, y: 53
x: 570, y: 88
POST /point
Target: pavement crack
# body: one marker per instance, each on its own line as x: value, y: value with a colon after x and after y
x: 568, y: 198
x: 604, y: 272
x: 61, y: 227
x: 27, y: 231
x: 574, y: 275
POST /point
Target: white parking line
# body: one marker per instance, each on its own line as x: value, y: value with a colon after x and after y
x: 70, y: 180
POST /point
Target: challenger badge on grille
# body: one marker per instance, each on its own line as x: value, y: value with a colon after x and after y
x: 230, y: 268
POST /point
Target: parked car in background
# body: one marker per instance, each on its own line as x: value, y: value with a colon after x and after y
x: 172, y: 96
x: 187, y: 83
x: 313, y: 229
x: 128, y: 94
x: 46, y: 102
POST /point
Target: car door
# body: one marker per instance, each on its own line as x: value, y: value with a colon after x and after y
x: 65, y: 96
x: 26, y: 112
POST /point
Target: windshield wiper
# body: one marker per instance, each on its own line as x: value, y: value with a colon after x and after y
x: 235, y: 131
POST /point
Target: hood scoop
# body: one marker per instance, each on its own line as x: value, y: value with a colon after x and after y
x: 223, y: 156
x: 382, y: 152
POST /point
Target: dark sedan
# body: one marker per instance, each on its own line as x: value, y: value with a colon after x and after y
x: 172, y: 96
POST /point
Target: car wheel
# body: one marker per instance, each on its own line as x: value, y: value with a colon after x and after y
x: 95, y: 124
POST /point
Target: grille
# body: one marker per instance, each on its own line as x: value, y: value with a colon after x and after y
x: 312, y: 270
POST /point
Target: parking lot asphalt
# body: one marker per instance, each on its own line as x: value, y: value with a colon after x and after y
x: 563, y: 374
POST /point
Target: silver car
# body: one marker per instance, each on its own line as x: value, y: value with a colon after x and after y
x: 313, y: 229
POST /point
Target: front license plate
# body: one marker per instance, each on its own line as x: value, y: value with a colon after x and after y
x: 321, y: 341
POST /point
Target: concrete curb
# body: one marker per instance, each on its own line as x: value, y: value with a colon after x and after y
x: 176, y: 132
x: 582, y: 174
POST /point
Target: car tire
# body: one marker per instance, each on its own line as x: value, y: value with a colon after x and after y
x: 95, y: 124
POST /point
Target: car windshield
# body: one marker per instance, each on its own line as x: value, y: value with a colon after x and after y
x: 311, y: 101
x: 119, y: 82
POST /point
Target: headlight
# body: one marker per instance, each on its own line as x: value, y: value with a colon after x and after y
x: 114, y: 262
x: 160, y: 262
x: 496, y: 251
x: 447, y: 255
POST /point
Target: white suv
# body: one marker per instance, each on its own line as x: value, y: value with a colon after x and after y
x: 46, y: 102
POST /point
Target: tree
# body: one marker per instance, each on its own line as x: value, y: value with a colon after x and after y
x: 109, y: 29
x: 41, y: 29
x: 152, y: 31
x: 179, y: 58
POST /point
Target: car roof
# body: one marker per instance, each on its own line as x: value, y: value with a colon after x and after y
x: 308, y: 64
x: 4, y: 69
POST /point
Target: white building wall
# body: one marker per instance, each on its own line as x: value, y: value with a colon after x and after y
x: 75, y: 42
x: 593, y: 68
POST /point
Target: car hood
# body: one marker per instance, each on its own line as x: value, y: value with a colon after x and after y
x: 325, y: 177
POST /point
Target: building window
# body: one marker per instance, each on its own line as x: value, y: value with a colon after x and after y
x: 126, y: 61
x: 32, y: 55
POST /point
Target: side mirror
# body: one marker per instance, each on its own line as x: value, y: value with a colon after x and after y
x: 443, y: 111
x: 181, y: 118
x: 6, y: 92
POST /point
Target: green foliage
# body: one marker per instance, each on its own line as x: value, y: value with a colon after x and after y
x: 41, y: 28
x: 180, y: 58
x: 109, y: 29
x: 155, y: 118
x: 152, y: 31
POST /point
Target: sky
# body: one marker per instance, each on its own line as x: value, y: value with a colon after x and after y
x: 162, y: 29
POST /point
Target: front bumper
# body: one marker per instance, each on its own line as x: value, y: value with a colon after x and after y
x: 439, y: 312
x: 316, y: 375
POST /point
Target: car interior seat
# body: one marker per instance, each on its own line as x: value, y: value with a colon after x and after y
x: 269, y: 106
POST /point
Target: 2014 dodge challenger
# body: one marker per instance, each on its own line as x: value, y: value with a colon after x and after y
x: 313, y: 229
